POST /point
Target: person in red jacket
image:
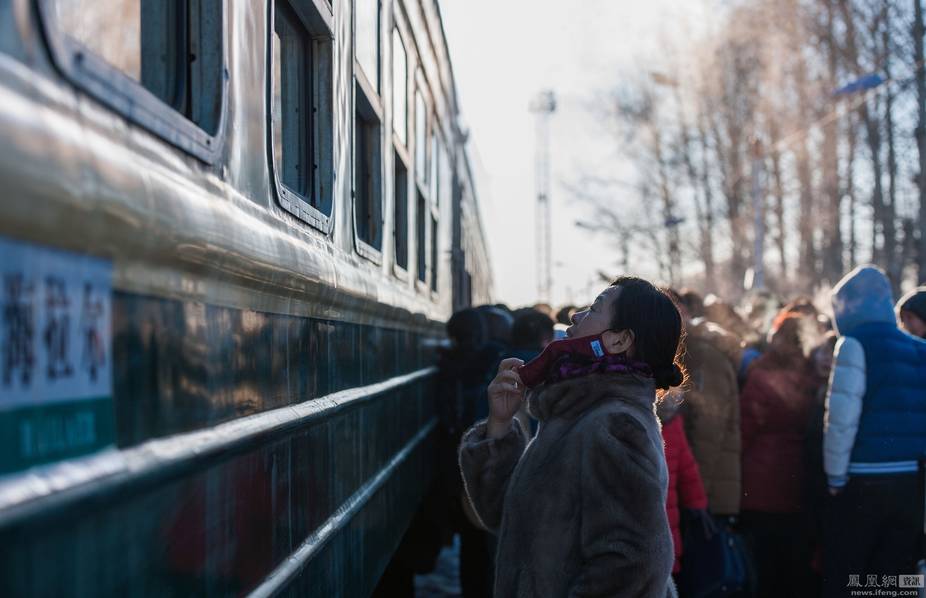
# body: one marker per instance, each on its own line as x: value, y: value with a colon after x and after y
x: 775, y: 407
x: 686, y: 490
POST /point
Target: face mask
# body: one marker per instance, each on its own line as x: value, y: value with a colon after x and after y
x: 535, y: 371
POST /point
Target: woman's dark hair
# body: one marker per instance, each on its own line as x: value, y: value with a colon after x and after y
x: 653, y: 318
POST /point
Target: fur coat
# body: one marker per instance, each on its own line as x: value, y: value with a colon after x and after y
x: 580, y: 510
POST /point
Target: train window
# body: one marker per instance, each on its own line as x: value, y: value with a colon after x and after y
x: 436, y: 152
x: 446, y: 176
x: 111, y: 30
x: 366, y: 39
x: 299, y: 68
x: 399, y: 88
x: 401, y: 213
x: 438, y: 169
x: 421, y: 224
x: 421, y: 143
x: 368, y: 212
x: 292, y: 101
x: 160, y: 63
x: 433, y: 252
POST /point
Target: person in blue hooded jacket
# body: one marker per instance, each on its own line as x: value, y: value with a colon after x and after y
x: 874, y: 436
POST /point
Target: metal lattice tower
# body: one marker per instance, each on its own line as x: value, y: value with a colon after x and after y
x: 543, y: 106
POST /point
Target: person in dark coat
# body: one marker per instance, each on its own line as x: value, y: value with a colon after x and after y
x: 580, y: 510
x: 686, y: 491
x: 775, y: 406
x: 478, y: 336
x: 531, y: 332
x: 498, y: 323
x: 821, y: 359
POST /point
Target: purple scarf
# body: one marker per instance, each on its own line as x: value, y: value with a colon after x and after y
x: 574, y: 366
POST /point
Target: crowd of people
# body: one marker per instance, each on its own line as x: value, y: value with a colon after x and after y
x: 793, y: 443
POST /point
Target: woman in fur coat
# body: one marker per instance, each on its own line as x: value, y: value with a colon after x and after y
x: 580, y: 509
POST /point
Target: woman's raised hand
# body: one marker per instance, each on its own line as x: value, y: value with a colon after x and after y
x: 506, y: 393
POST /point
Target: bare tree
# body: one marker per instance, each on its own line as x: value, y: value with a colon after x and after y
x: 771, y: 74
x: 920, y: 77
x: 829, y: 220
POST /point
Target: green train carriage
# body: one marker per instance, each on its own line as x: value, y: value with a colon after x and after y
x: 231, y: 232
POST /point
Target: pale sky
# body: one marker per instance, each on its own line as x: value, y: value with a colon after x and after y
x: 503, y: 53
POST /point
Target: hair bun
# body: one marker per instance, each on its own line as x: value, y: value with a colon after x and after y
x: 668, y: 376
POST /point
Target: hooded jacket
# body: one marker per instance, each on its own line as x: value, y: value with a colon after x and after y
x: 875, y: 421
x: 580, y: 510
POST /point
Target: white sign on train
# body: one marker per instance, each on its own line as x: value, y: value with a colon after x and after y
x: 55, y: 326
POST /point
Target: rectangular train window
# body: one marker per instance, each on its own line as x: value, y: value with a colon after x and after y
x: 292, y: 105
x: 399, y: 88
x: 368, y: 211
x: 436, y: 152
x: 438, y: 172
x: 401, y: 213
x: 366, y: 39
x: 421, y: 139
x: 433, y: 252
x: 421, y: 224
x: 158, y: 62
x: 299, y: 75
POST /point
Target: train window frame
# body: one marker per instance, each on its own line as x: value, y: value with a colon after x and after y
x: 434, y: 147
x: 368, y: 111
x: 401, y: 135
x: 401, y: 272
x: 422, y: 222
x: 376, y: 82
x: 435, y: 255
x: 438, y: 167
x: 422, y: 127
x: 115, y: 89
x: 317, y: 19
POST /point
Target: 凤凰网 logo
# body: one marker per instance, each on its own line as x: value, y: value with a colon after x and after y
x: 886, y: 581
x: 911, y: 581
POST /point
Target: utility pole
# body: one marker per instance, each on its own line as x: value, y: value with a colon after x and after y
x: 543, y: 106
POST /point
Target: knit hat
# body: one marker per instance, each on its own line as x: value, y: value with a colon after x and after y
x: 914, y: 302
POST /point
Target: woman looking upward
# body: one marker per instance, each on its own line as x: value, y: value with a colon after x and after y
x: 580, y: 509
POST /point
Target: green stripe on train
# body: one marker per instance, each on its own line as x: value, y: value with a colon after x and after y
x: 39, y: 434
